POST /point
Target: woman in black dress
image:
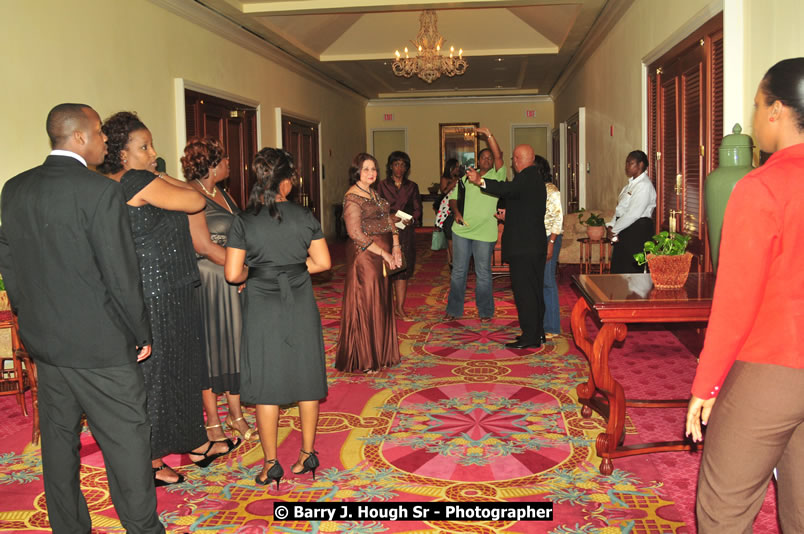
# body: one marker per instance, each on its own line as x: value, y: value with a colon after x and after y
x: 282, y: 347
x: 157, y: 206
x: 205, y: 165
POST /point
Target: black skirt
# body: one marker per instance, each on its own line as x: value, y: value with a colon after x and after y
x: 629, y: 242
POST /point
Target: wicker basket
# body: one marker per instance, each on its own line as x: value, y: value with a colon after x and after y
x: 669, y: 272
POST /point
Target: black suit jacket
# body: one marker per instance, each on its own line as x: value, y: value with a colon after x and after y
x: 67, y: 259
x: 525, y: 201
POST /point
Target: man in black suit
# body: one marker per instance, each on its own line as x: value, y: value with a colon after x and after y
x: 524, y: 241
x: 68, y: 263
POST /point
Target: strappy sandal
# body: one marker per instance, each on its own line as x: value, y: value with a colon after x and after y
x: 158, y: 482
x: 248, y: 435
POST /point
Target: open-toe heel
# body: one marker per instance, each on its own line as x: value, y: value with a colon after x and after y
x: 158, y: 482
x: 275, y: 472
x: 209, y: 458
x: 250, y: 433
x: 309, y: 464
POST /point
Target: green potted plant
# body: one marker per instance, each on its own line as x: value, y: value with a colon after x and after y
x: 4, y: 305
x: 667, y: 258
x: 595, y: 225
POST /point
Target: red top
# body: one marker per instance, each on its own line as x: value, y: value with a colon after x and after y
x: 758, y: 306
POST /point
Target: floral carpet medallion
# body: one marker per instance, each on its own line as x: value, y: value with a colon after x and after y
x: 477, y: 432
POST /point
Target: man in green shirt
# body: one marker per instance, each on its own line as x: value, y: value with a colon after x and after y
x: 474, y: 233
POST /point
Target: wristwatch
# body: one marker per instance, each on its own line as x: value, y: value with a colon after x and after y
x: 552, y: 241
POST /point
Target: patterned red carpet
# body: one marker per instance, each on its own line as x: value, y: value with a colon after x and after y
x: 462, y: 419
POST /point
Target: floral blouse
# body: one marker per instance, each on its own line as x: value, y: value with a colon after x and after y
x: 553, y: 215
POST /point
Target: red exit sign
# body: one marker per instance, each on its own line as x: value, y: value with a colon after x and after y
x: 388, y: 117
x: 529, y: 113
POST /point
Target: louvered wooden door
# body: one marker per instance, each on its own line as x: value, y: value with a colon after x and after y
x: 300, y: 138
x: 235, y: 125
x: 556, y: 154
x: 685, y: 126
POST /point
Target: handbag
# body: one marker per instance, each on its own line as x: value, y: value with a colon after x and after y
x: 439, y: 241
x: 390, y: 272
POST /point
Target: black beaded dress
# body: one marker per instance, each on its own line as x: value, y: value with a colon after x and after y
x: 282, y: 358
x: 220, y: 306
x: 176, y: 369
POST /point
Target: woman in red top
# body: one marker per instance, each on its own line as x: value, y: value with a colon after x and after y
x: 750, y: 377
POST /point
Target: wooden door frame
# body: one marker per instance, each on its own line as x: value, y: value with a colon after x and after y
x: 179, y: 86
x: 278, y: 113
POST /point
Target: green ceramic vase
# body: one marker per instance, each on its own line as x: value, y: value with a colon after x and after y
x: 734, y: 162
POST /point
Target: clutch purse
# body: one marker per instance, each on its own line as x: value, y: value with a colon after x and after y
x: 387, y: 271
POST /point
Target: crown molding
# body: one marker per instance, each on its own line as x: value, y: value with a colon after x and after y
x: 220, y: 25
x: 452, y: 100
x: 611, y: 14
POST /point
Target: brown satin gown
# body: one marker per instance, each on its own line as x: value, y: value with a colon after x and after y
x: 368, y: 340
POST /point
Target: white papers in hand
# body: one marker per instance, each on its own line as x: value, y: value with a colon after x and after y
x: 405, y: 217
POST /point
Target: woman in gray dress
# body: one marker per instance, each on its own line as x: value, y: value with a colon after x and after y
x: 282, y: 357
x: 205, y: 165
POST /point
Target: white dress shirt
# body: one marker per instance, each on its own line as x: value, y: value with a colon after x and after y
x: 637, y: 200
x: 59, y: 152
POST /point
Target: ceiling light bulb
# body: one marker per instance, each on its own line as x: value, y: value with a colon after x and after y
x: 397, y: 54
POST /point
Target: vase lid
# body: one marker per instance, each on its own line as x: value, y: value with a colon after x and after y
x: 737, y: 139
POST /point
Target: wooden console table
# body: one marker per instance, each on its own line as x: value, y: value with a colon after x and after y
x: 603, y: 265
x: 616, y: 300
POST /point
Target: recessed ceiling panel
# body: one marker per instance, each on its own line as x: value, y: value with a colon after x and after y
x: 512, y: 46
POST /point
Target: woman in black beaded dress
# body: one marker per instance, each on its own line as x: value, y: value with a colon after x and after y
x: 174, y: 374
x: 205, y: 165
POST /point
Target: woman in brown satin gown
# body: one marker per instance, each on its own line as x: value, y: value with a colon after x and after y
x: 368, y: 340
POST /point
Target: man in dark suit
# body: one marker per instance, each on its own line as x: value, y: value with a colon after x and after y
x: 68, y: 262
x: 524, y: 241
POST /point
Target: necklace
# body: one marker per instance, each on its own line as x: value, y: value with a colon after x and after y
x: 214, y: 189
x: 369, y: 193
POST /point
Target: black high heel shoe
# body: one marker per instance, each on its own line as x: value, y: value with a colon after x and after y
x: 209, y: 458
x: 310, y: 463
x: 158, y: 482
x: 274, y: 473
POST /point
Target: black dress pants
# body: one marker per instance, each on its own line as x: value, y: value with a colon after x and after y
x: 527, y: 281
x: 113, y: 399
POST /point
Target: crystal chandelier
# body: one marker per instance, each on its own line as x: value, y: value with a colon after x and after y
x: 429, y: 64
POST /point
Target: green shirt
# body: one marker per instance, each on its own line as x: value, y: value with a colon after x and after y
x: 478, y: 209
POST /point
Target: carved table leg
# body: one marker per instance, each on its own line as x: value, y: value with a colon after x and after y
x: 584, y: 342
x: 607, y: 441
